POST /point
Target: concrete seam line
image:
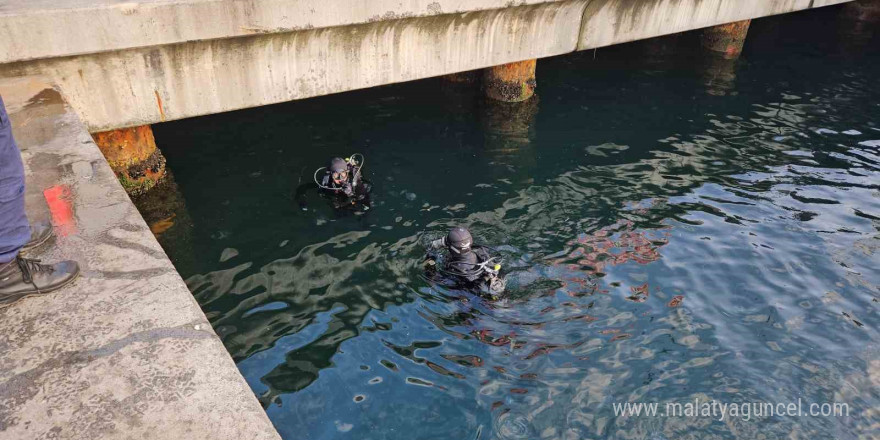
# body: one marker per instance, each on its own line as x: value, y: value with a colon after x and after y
x: 577, y: 43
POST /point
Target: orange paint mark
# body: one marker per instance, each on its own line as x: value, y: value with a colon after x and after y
x: 675, y: 301
x: 60, y: 201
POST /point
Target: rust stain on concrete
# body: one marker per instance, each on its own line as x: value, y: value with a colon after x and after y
x: 159, y: 102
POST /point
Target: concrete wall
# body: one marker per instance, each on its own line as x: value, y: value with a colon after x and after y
x: 165, y: 63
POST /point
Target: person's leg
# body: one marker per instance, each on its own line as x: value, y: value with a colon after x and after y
x: 20, y: 277
x: 14, y: 229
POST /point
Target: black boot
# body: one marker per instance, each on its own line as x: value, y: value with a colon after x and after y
x: 41, y: 232
x: 23, y: 277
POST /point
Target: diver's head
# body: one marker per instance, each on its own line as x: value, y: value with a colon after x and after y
x: 338, y: 170
x: 459, y: 240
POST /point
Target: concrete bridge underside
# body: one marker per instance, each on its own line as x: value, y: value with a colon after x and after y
x: 122, y: 64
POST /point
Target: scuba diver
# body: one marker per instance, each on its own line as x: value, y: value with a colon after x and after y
x: 470, y: 265
x: 342, y: 181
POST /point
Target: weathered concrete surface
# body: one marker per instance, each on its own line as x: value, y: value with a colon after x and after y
x: 32, y: 29
x: 608, y: 22
x: 147, y: 85
x: 124, y: 352
x: 129, y: 64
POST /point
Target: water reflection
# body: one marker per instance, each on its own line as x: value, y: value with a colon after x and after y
x: 719, y: 74
x: 508, y: 128
x: 166, y: 214
x: 663, y: 244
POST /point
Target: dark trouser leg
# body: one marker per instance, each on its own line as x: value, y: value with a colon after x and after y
x: 14, y: 229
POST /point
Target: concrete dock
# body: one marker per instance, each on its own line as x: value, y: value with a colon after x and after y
x: 125, y: 351
x: 130, y: 63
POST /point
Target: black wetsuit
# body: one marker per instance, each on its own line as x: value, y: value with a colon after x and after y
x: 466, y: 266
x: 353, y: 192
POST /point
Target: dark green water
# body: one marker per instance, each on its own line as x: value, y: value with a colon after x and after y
x: 675, y: 227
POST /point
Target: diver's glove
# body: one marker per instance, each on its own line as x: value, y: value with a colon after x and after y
x: 348, y: 190
x: 497, y: 285
x: 439, y: 243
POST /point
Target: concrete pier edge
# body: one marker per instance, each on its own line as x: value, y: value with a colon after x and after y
x: 125, y: 351
x: 125, y: 64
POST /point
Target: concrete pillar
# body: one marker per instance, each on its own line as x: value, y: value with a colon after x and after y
x: 514, y: 82
x: 727, y: 39
x: 133, y: 156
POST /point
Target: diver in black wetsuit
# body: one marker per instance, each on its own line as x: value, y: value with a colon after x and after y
x: 471, y: 265
x: 343, y: 182
x: 342, y: 177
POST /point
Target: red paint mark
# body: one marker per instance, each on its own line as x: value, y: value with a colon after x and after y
x: 676, y: 301
x: 60, y: 201
x: 519, y: 390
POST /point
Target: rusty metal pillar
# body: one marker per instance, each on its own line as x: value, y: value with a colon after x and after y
x: 514, y: 82
x: 727, y: 39
x: 133, y: 156
x: 469, y: 77
x: 864, y: 10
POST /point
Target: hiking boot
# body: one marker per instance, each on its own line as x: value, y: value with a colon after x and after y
x: 24, y: 277
x: 41, y: 232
